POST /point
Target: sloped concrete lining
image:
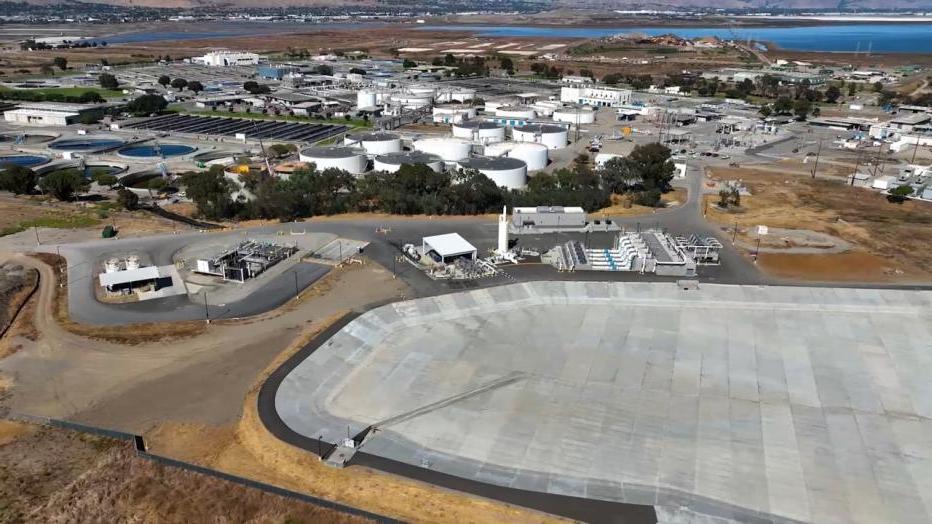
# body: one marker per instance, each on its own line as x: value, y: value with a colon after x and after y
x: 752, y: 403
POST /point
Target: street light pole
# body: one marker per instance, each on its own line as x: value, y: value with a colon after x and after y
x: 35, y: 229
x: 297, y: 292
x: 206, y: 308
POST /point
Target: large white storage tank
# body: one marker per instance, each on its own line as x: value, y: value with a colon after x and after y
x: 375, y: 143
x: 523, y: 112
x: 451, y: 113
x: 534, y: 155
x: 411, y: 101
x: 422, y: 90
x: 449, y: 149
x: 366, y: 98
x: 574, y: 115
x: 546, y: 107
x: 392, y: 162
x: 479, y: 131
x: 345, y: 158
x: 508, y: 172
x: 550, y: 135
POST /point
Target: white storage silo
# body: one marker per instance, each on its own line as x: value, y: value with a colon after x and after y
x: 448, y: 149
x: 508, y: 172
x: 479, y: 131
x: 523, y: 112
x: 411, y: 101
x: 450, y: 113
x: 392, y: 162
x: 375, y: 143
x: 345, y: 158
x: 112, y: 265
x: 574, y: 115
x: 366, y: 98
x: 534, y: 155
x: 552, y: 136
x: 132, y: 262
x: 422, y: 90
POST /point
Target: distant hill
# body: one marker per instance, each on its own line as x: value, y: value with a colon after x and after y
x: 593, y: 4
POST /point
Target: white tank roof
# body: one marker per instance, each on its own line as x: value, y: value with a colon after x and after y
x: 329, y: 152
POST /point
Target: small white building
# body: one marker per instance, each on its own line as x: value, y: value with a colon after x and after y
x: 595, y: 96
x: 227, y: 58
x: 448, y: 247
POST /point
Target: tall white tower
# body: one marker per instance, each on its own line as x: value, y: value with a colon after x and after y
x: 503, y: 232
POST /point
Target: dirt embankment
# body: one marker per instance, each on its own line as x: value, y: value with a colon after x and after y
x: 890, y: 242
x: 55, y: 475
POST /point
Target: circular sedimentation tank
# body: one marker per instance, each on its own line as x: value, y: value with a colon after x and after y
x: 23, y: 160
x: 156, y: 150
x: 86, y: 144
x: 88, y: 172
x: 25, y: 138
x: 504, y: 171
x: 523, y: 112
x: 392, y: 162
x: 348, y: 159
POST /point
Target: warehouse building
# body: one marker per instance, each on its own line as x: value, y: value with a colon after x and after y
x: 447, y: 248
x: 227, y: 58
x: 51, y: 113
x: 595, y: 96
x: 548, y: 217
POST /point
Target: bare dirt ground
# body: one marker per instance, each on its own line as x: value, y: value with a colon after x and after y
x: 622, y: 205
x: 17, y: 284
x: 247, y: 449
x: 890, y: 242
x: 189, y: 396
x: 54, y: 475
x: 16, y: 212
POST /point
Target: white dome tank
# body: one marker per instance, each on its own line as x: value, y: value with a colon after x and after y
x: 550, y: 135
x: 345, y: 158
x: 508, y: 172
x: 534, y: 155
x: 132, y: 262
x: 112, y: 265
x: 375, y: 143
x: 448, y: 149
x: 411, y: 101
x: 515, y: 112
x: 366, y: 98
x: 392, y: 162
x: 479, y: 131
x: 573, y: 115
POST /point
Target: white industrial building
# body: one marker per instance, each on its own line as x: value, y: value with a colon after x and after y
x: 548, y: 217
x: 595, y: 96
x: 227, y: 58
x: 448, y: 247
x: 49, y: 113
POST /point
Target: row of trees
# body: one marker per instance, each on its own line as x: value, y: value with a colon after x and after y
x: 645, y: 174
x: 180, y: 84
x: 62, y: 184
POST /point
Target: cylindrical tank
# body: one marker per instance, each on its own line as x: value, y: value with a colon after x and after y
x: 422, y: 90
x: 345, y: 158
x: 365, y: 98
x: 546, y: 107
x: 492, y: 105
x: 375, y: 143
x: 534, y: 155
x: 392, y: 162
x: 508, y: 172
x: 479, y: 131
x: 449, y: 149
x: 552, y: 136
x: 411, y: 101
x: 455, y: 112
x: 574, y: 115
x: 524, y: 112
x: 132, y: 262
x: 112, y: 265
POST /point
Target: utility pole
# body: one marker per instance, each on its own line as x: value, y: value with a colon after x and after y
x: 206, y: 308
x: 857, y: 164
x: 297, y: 291
x: 815, y: 167
x: 915, y: 150
x: 35, y: 229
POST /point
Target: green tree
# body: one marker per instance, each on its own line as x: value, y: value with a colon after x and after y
x: 783, y: 105
x: 801, y: 108
x: 164, y: 80
x: 128, y: 199
x: 211, y: 192
x: 877, y: 86
x: 105, y: 179
x: 765, y: 110
x: 357, y: 71
x: 108, y: 81
x: 506, y: 63
x: 832, y: 94
x: 60, y: 62
x: 647, y: 168
x: 63, y: 184
x: 46, y: 69
x: 146, y: 105
x: 16, y: 179
x: 179, y: 83
x: 408, y: 63
x: 324, y: 69
x: 195, y: 86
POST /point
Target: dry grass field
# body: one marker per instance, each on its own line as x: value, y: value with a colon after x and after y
x: 891, y: 241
